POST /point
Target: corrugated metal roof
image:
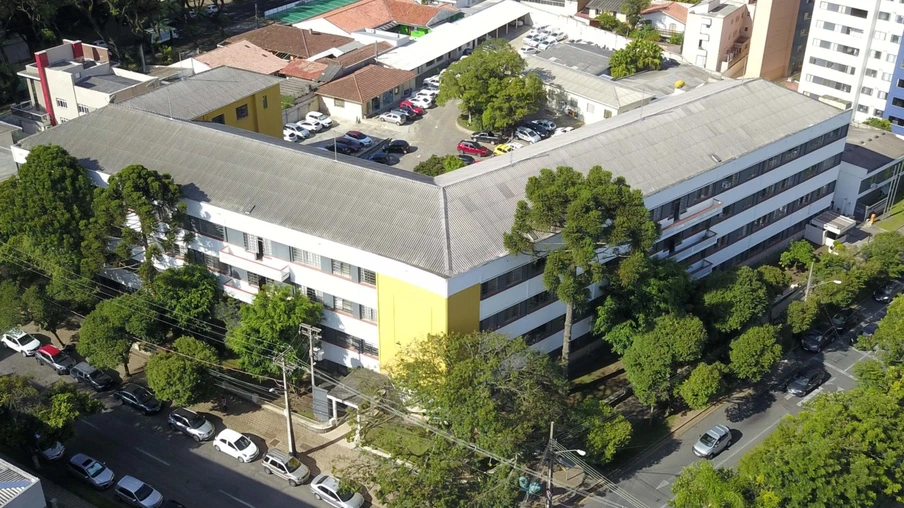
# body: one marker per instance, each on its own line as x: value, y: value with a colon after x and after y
x: 202, y: 93
x: 13, y: 482
x: 586, y: 85
x: 107, y: 83
x: 454, y: 222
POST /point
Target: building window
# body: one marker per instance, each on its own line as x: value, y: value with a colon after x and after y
x: 306, y: 258
x: 590, y: 107
x: 367, y: 277
x: 882, y: 95
x: 878, y: 112
x: 342, y: 305
x: 862, y: 108
x: 206, y: 228
x: 82, y: 108
x: 265, y: 102
x: 607, y: 113
x: 396, y: 90
x: 62, y: 104
x: 884, y: 16
x: 218, y: 119
x: 895, y: 38
x: 879, y: 36
x: 866, y: 91
x: 241, y: 112
x: 891, y: 57
x: 212, y: 262
x: 886, y: 77
x: 368, y: 314
x: 339, y: 103
x: 342, y: 269
x: 872, y: 73
x: 877, y: 55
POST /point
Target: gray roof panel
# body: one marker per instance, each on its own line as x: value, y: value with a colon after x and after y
x: 872, y: 148
x: 107, y: 83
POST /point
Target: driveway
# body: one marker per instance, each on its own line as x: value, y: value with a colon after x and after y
x: 751, y: 419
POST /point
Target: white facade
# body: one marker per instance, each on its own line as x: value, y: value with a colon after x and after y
x: 663, y: 22
x: 19, y: 489
x: 852, y: 53
x: 717, y: 35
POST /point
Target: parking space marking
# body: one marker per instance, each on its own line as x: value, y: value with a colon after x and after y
x: 237, y: 500
x: 754, y: 438
x: 863, y: 356
x: 836, y: 369
x: 86, y: 422
x: 158, y: 459
x: 809, y: 397
x: 789, y: 396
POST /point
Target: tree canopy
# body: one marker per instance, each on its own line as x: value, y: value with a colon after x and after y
x: 436, y: 165
x: 704, y: 383
x: 108, y: 332
x: 638, y: 55
x: 597, y: 216
x: 799, y: 255
x: 189, y: 294
x: 733, y: 299
x: 755, y: 352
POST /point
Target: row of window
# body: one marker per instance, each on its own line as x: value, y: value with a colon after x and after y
x: 835, y: 85
x: 63, y: 103
x: 841, y: 48
x: 879, y: 177
x: 846, y: 30
x: 346, y: 341
x: 512, y: 278
x: 517, y: 311
x: 847, y: 69
x: 881, y: 36
x: 869, y: 91
x: 766, y: 244
x: 851, y: 11
x: 337, y: 304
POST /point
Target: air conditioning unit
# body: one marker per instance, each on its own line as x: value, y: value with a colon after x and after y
x: 726, y: 184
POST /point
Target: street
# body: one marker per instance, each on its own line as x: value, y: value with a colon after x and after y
x: 751, y: 419
x: 192, y: 473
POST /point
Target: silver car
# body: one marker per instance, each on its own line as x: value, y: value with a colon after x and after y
x: 90, y: 471
x: 327, y: 488
x: 135, y: 492
x: 191, y: 424
x: 713, y: 442
x: 286, y: 467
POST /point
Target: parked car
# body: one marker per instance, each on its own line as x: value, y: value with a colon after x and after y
x: 865, y: 333
x: 546, y: 43
x: 549, y: 125
x: 83, y: 372
x: 296, y: 129
x: 887, y: 292
x: 338, y: 148
x: 538, y: 128
x: 310, y: 126
x: 528, y: 50
x: 135, y: 492
x: 432, y: 81
x: 100, y: 43
x: 359, y: 137
x: 562, y: 130
x: 427, y: 92
x: 138, y: 397
x: 815, y: 340
x: 487, y: 137
x: 393, y: 118
x: 404, y: 113
x: 713, y: 442
x: 52, y: 356
x: 526, y: 134
x: 413, y: 112
x: 191, y: 424
x: 21, y: 342
x: 532, y: 41
x: 558, y: 34
x: 327, y: 488
x: 805, y: 381
x: 351, y: 143
x: 502, y: 149
x: 317, y: 116
x: 841, y: 321
x: 49, y: 449
x: 467, y: 159
x: 235, y: 445
x: 384, y: 158
x: 90, y: 471
x: 286, y: 467
x: 473, y: 148
x: 408, y: 104
x: 289, y: 136
x: 421, y: 101
x: 397, y: 146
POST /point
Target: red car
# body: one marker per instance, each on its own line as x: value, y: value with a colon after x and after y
x: 473, y: 148
x: 408, y: 104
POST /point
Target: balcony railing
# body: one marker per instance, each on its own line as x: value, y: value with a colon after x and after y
x: 239, y: 289
x: 695, y: 245
x: 265, y: 266
x: 700, y: 269
x: 29, y: 112
x: 694, y: 215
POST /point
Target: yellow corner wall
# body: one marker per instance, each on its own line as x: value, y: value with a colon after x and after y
x: 406, y: 312
x: 260, y: 119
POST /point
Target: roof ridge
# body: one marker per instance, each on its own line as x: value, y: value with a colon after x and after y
x: 447, y: 236
x: 357, y: 88
x: 304, y: 41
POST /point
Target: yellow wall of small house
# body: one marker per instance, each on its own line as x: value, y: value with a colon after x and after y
x: 264, y: 120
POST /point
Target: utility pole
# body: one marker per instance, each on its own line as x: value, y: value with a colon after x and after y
x: 281, y: 361
x: 809, y: 281
x: 551, y: 456
x: 312, y: 333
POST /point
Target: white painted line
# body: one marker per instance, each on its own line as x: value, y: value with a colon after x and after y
x: 158, y: 459
x: 741, y: 448
x: 663, y: 483
x: 863, y: 356
x: 809, y: 396
x: 237, y: 500
x: 836, y: 369
x: 789, y: 396
x: 86, y: 422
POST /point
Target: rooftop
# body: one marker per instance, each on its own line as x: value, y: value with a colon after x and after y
x: 202, y: 93
x: 306, y: 69
x: 672, y: 9
x: 451, y: 36
x: 366, y: 83
x: 718, y: 9
x: 872, y: 148
x: 445, y: 225
x: 586, y: 85
x: 662, y: 82
x: 587, y: 58
x: 377, y: 13
x: 291, y: 41
x: 13, y: 481
x: 606, y: 5
x: 243, y: 55
x: 107, y: 83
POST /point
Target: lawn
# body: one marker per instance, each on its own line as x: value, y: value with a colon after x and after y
x: 394, y: 437
x: 895, y: 218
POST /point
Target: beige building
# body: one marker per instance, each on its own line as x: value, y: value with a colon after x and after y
x: 717, y: 36
x: 772, y: 38
x: 73, y: 79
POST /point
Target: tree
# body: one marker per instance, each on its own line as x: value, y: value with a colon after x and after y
x: 802, y: 314
x: 889, y: 337
x: 10, y: 305
x: 677, y: 39
x: 879, y: 123
x: 108, y: 332
x: 608, y: 21
x: 189, y: 294
x: 197, y: 350
x: 597, y: 217
x: 494, y: 70
x: 702, y: 484
x: 436, y: 165
x: 606, y: 430
x: 46, y: 312
x: 512, y: 99
x: 269, y: 326
x: 798, y: 256
x: 735, y: 298
x: 174, y: 378
x: 632, y: 9
x: 153, y: 200
x: 887, y: 250
x: 704, y: 383
x: 755, y: 352
x: 638, y: 55
x: 64, y: 405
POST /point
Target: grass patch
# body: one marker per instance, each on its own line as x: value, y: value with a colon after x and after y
x: 286, y: 102
x: 398, y: 439
x: 895, y: 218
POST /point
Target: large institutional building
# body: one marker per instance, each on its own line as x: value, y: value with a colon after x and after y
x: 730, y: 170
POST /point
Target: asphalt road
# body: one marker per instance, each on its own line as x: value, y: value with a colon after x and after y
x: 751, y: 420
x: 142, y: 446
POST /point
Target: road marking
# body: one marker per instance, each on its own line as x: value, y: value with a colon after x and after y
x: 789, y: 396
x: 237, y: 500
x: 158, y: 459
x: 86, y: 422
x: 809, y: 396
x: 740, y: 449
x: 863, y: 356
x: 663, y: 483
x: 836, y: 369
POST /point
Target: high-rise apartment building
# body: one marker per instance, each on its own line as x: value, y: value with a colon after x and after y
x: 853, y: 57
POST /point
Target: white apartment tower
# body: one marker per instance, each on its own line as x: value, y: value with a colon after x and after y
x: 853, y: 56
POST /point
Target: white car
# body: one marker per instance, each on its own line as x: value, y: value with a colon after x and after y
x: 421, y: 101
x: 134, y: 492
x: 289, y: 136
x: 525, y: 134
x: 298, y: 131
x: 309, y: 125
x: 427, y: 92
x: 393, y: 118
x: 360, y: 137
x: 316, y: 116
x: 326, y: 488
x: 527, y: 50
x: 532, y: 41
x: 432, y: 81
x: 49, y: 451
x: 558, y: 34
x: 21, y: 342
x: 562, y: 130
x: 541, y: 28
x: 235, y: 445
x: 546, y: 43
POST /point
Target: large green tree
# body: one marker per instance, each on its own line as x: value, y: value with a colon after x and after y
x: 108, y: 332
x: 47, y: 312
x: 704, y: 383
x: 703, y: 485
x: 579, y: 223
x: 638, y: 55
x: 182, y: 376
x: 735, y: 298
x: 755, y: 352
x: 189, y: 294
x: 269, y: 326
x: 889, y: 338
x: 799, y: 255
x: 605, y: 429
x: 492, y: 79
x: 632, y: 9
x: 10, y: 305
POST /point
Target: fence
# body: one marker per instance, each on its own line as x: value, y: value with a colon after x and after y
x: 575, y: 28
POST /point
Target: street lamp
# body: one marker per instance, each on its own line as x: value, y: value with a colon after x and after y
x: 552, y: 460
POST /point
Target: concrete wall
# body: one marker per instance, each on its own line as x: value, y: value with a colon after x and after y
x: 350, y: 111
x: 772, y: 39
x: 574, y: 27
